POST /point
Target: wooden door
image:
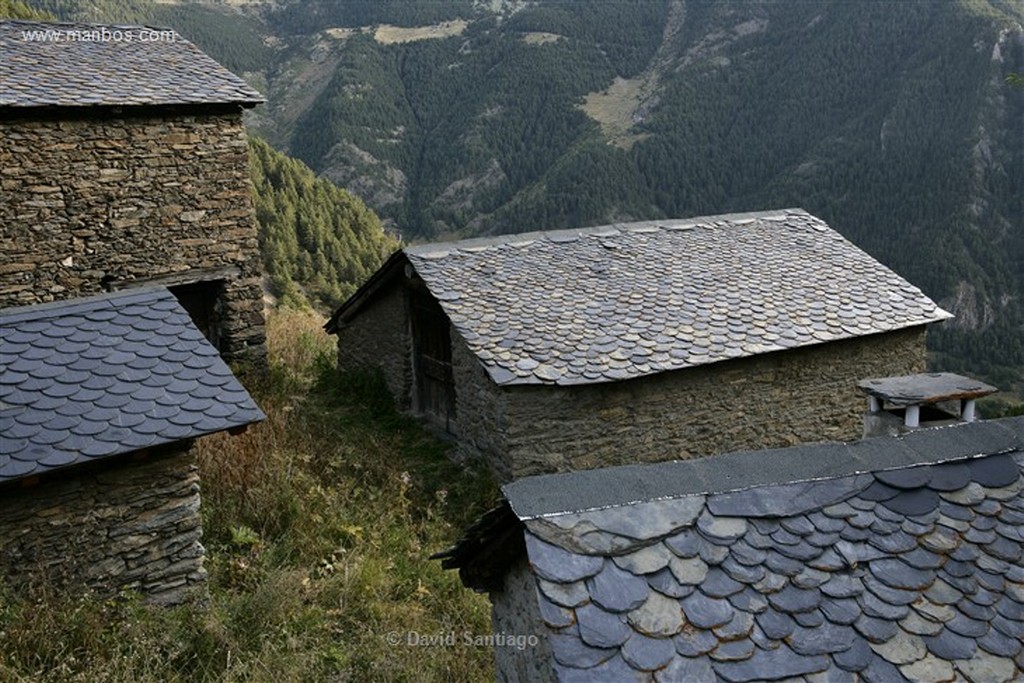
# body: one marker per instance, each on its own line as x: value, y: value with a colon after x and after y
x: 434, y: 389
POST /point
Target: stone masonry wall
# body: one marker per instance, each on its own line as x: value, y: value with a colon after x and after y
x: 480, y: 423
x: 133, y: 525
x: 515, y: 611
x: 379, y: 338
x: 90, y: 200
x: 771, y: 400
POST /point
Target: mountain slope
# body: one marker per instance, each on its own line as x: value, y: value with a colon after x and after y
x: 319, y: 243
x: 892, y: 121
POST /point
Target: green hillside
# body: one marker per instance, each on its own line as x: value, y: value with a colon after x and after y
x: 319, y: 243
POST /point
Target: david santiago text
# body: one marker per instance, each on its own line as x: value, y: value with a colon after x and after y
x: 465, y: 639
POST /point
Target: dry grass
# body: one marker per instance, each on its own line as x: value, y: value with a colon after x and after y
x: 318, y: 525
x: 388, y: 34
x: 540, y: 37
x: 615, y: 108
x: 342, y: 33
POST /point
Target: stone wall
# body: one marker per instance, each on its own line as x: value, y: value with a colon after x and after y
x: 134, y: 524
x: 481, y: 423
x: 515, y: 611
x: 96, y: 202
x: 379, y: 338
x: 766, y: 401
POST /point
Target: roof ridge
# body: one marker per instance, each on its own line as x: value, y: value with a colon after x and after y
x: 550, y: 495
x: 430, y: 249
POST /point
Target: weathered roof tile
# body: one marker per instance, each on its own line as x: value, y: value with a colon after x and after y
x: 555, y: 615
x: 63, y: 412
x: 601, y: 629
x: 949, y: 645
x: 82, y: 65
x: 559, y: 565
x: 705, y: 612
x: 685, y: 669
x: 616, y: 302
x: 647, y: 654
x: 770, y: 665
x: 617, y: 590
x: 570, y: 650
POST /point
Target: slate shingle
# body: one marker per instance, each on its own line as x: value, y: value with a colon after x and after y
x: 615, y: 302
x: 54, y: 416
x: 914, y: 600
x: 64, y: 68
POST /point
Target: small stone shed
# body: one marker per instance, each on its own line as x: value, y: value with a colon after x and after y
x: 101, y: 399
x: 124, y: 163
x: 890, y: 559
x: 646, y: 341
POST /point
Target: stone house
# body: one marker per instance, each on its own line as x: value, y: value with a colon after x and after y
x: 101, y: 400
x: 889, y: 559
x: 129, y: 264
x: 124, y: 163
x: 636, y: 342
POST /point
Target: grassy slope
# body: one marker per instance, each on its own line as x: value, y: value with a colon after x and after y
x: 318, y: 525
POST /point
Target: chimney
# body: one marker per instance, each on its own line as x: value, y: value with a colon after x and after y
x: 897, y: 405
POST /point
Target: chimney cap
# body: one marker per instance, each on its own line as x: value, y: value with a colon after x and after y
x: 932, y: 387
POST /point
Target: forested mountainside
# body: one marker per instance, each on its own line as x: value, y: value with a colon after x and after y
x: 319, y: 243
x: 893, y: 121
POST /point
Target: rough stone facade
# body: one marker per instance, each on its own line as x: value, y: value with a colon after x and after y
x: 515, y: 611
x: 766, y: 401
x: 769, y: 400
x: 381, y: 340
x: 98, y: 202
x: 133, y: 524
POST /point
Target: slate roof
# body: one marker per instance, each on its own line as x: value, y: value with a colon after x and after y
x: 65, y: 72
x: 891, y: 559
x: 627, y: 300
x: 92, y: 378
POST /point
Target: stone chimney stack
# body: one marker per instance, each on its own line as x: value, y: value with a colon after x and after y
x: 897, y: 405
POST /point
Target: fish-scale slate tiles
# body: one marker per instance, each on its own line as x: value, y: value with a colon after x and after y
x: 627, y: 300
x: 78, y: 65
x: 92, y: 378
x: 907, y: 574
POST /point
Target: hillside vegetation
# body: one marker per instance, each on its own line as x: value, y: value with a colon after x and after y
x: 892, y: 121
x: 318, y: 241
